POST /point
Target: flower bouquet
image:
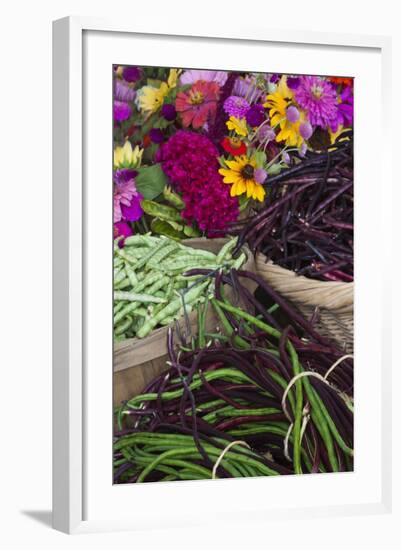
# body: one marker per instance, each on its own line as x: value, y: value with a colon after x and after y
x: 195, y: 148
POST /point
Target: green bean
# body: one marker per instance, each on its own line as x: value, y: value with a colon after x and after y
x: 156, y: 259
x: 154, y: 250
x: 119, y: 329
x: 333, y: 427
x: 134, y: 297
x: 157, y: 285
x: 171, y: 309
x: 133, y: 279
x: 141, y: 240
x: 225, y: 250
x: 199, y: 252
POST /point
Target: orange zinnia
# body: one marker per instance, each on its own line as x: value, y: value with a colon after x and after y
x: 341, y: 80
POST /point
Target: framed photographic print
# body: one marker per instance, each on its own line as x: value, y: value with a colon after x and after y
x: 218, y: 324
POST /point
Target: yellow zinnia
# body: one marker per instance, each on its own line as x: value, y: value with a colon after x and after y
x: 126, y: 157
x: 150, y: 99
x: 238, y: 125
x: 241, y: 174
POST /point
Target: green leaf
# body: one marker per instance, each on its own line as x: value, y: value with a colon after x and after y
x: 222, y: 162
x: 150, y: 181
x: 162, y: 227
x: 274, y: 169
x: 162, y: 211
x: 260, y: 158
x: 243, y: 201
x: 173, y: 198
x: 191, y: 231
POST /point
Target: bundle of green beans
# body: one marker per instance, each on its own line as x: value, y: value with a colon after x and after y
x: 150, y: 289
x: 168, y: 457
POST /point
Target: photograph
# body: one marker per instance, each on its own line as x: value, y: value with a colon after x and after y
x: 232, y: 224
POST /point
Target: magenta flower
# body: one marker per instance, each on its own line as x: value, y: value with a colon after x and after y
x: 127, y: 200
x: 131, y: 74
x: 293, y: 82
x: 255, y: 115
x: 319, y: 99
x: 168, y: 111
x: 122, y: 111
x: 122, y: 229
x: 346, y: 107
x: 236, y: 106
x: 190, y: 161
x: 156, y: 135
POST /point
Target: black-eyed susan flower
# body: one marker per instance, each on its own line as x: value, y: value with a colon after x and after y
x: 242, y: 174
x: 285, y: 115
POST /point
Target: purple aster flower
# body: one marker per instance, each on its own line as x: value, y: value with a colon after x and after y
x: 274, y: 78
x: 255, y: 115
x: 306, y: 130
x: 132, y: 74
x: 292, y: 114
x: 193, y: 75
x: 260, y: 175
x: 319, y: 99
x: 168, y: 112
x: 236, y: 106
x: 156, y: 135
x: 122, y: 111
x: 293, y: 82
x: 247, y: 88
x: 122, y: 91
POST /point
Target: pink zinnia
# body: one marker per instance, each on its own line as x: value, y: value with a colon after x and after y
x: 198, y: 105
x: 319, y: 99
x: 127, y: 200
x: 193, y: 75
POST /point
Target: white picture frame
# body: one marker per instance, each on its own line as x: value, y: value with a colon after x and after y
x: 70, y: 414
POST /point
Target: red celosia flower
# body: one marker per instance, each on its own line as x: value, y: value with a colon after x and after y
x: 198, y: 105
x: 234, y: 146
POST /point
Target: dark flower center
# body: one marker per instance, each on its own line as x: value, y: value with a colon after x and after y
x: 247, y: 172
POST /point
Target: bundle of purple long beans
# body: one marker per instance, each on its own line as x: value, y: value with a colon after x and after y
x: 306, y: 222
